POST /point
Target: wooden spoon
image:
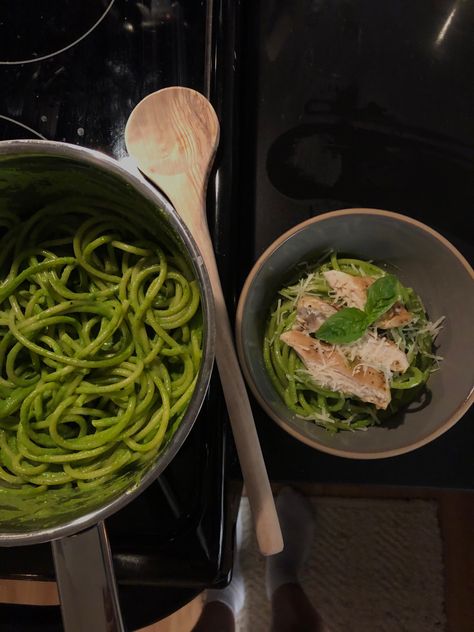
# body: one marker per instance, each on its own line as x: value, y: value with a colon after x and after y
x: 173, y: 135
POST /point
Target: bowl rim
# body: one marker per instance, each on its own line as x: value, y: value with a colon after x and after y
x: 458, y: 413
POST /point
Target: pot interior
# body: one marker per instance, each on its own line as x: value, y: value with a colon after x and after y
x: 35, y: 174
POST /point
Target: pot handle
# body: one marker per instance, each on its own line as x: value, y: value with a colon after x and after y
x: 86, y: 582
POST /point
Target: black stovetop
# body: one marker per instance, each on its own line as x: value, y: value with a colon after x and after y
x: 73, y: 71
x: 88, y: 63
x: 323, y: 104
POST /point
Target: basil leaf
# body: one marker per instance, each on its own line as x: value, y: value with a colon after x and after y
x: 346, y: 326
x: 381, y: 295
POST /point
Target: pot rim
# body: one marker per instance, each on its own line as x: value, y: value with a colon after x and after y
x: 102, y: 161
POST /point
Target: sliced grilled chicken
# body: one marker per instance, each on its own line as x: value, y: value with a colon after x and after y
x: 371, y: 350
x: 349, y: 289
x: 396, y: 316
x: 352, y: 291
x: 330, y: 369
x: 377, y: 352
x: 311, y: 312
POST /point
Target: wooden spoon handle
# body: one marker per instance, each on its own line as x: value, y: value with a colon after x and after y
x: 173, y: 134
x: 267, y: 526
x: 187, y: 195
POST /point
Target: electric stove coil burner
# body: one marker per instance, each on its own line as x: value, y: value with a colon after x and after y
x: 13, y: 130
x: 49, y: 28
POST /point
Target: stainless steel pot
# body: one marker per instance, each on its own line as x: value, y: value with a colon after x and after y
x: 33, y: 172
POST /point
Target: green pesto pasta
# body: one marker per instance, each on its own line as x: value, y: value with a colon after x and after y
x: 333, y: 409
x: 100, y: 346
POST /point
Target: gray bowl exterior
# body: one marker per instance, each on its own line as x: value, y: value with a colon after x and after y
x: 422, y: 259
x: 37, y: 172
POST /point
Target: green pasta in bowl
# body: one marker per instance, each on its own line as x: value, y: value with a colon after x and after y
x: 348, y: 345
x: 351, y: 330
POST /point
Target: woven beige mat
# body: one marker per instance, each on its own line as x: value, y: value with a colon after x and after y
x: 374, y: 566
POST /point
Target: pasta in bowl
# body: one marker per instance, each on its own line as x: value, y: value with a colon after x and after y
x: 346, y: 341
x: 348, y: 345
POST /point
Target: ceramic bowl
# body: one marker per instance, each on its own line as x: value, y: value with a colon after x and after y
x: 422, y: 259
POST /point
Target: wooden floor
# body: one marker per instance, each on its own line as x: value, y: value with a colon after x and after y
x: 457, y: 527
